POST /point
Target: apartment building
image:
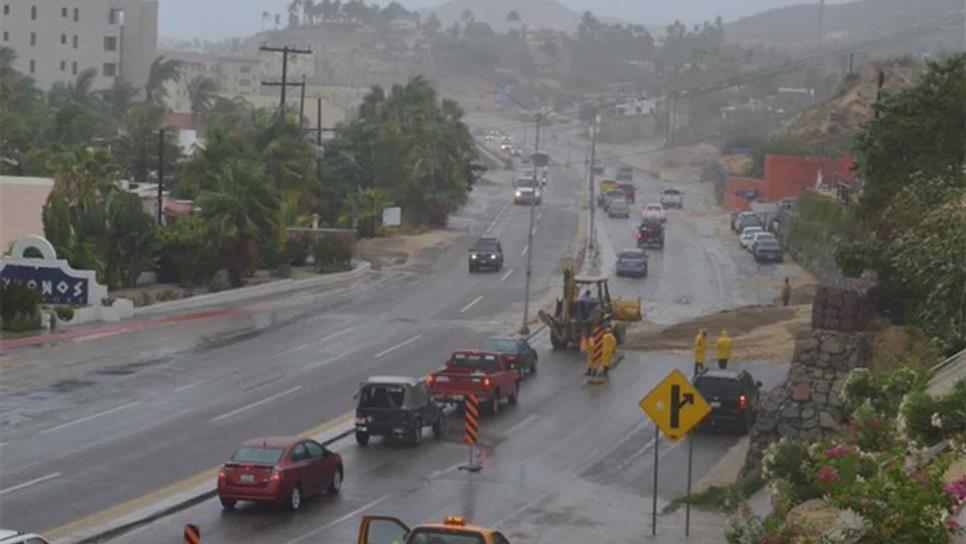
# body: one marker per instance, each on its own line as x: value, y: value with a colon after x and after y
x: 57, y: 39
x: 235, y: 75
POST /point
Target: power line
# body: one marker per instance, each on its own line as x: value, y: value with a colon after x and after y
x: 284, y: 83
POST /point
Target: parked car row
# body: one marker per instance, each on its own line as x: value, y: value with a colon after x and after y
x: 753, y: 237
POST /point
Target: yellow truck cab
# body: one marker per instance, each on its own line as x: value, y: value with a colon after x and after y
x: 453, y: 530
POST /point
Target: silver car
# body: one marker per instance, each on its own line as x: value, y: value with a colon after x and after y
x: 618, y: 207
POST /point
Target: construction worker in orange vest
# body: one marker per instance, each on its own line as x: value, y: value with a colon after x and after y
x: 700, y: 351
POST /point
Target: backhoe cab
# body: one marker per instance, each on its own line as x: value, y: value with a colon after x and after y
x: 453, y: 530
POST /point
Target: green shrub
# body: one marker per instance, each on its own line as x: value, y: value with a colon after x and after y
x: 184, y: 254
x: 22, y: 323
x: 17, y: 300
x: 145, y: 298
x: 787, y: 461
x: 332, y: 254
x: 725, y: 498
x: 64, y: 313
x: 283, y: 270
x: 927, y: 419
x: 217, y: 284
x: 297, y: 250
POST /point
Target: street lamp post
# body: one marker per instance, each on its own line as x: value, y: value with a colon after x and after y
x: 590, y: 178
x: 525, y: 328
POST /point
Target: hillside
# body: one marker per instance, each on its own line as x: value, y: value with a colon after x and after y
x: 535, y: 13
x: 841, y: 117
x: 797, y: 26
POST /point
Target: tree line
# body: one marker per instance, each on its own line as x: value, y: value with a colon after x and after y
x: 254, y: 176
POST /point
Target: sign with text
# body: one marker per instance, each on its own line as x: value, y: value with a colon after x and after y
x: 392, y: 217
x: 58, y: 283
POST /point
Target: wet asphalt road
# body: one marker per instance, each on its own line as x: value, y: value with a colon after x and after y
x: 112, y: 419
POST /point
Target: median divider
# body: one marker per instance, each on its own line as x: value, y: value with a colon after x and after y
x: 113, y: 522
x: 255, y: 291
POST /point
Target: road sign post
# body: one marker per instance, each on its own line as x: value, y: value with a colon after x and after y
x: 687, y: 503
x: 675, y: 407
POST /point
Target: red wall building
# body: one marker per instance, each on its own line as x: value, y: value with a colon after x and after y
x: 786, y: 176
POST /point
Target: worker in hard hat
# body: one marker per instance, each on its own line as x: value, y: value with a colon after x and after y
x: 610, y: 349
x: 722, y: 349
x: 700, y: 351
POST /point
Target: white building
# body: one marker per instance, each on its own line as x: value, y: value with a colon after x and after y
x: 55, y: 40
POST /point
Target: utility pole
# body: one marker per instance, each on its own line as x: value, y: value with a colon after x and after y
x: 670, y: 118
x: 302, y: 102
x: 525, y: 329
x: 593, y: 165
x: 160, y: 175
x: 318, y: 130
x: 284, y: 84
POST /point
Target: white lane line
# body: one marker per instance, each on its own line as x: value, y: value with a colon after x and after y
x: 336, y: 334
x: 526, y: 248
x: 539, y: 215
x: 189, y: 386
x: 30, y: 483
x: 471, y: 304
x: 533, y: 231
x: 257, y: 403
x: 88, y: 418
x: 397, y: 346
x: 346, y: 517
x: 529, y: 419
x: 507, y: 275
x: 301, y: 347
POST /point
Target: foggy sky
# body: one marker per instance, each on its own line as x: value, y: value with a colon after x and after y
x: 217, y: 19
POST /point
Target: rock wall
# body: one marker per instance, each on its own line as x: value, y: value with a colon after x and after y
x: 807, y: 406
x: 842, y: 309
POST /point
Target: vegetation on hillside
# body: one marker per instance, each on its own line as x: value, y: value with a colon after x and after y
x: 912, y: 212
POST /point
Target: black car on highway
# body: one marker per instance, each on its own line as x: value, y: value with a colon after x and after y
x: 517, y: 350
x: 486, y: 254
x: 396, y: 407
x: 733, y: 396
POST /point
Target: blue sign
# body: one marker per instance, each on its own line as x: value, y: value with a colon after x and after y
x: 55, y: 285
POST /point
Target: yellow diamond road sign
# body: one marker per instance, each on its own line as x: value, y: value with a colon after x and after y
x: 675, y: 405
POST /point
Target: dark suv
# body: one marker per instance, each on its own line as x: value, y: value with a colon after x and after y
x: 517, y: 350
x: 486, y: 253
x: 396, y: 407
x: 733, y: 396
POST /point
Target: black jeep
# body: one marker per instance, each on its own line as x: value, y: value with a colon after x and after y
x: 486, y: 253
x: 397, y: 407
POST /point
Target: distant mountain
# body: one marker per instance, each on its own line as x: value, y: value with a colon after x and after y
x: 797, y: 26
x: 543, y: 13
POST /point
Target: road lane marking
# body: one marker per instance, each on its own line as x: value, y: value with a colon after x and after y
x: 529, y: 419
x: 30, y: 483
x: 507, y: 275
x: 256, y: 404
x: 189, y: 386
x: 539, y: 215
x: 88, y: 418
x: 301, y: 347
x: 397, y: 346
x: 471, y: 304
x: 337, y: 521
x: 526, y: 248
x: 336, y: 334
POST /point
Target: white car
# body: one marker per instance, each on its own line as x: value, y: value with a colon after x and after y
x: 758, y: 237
x: 15, y: 537
x: 748, y: 236
x: 655, y: 210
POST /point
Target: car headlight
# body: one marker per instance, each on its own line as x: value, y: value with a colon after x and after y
x: 519, y: 194
x: 493, y: 257
x: 474, y: 256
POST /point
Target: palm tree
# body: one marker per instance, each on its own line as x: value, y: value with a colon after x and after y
x: 308, y: 12
x: 201, y: 94
x: 162, y: 71
x: 467, y: 16
x: 80, y: 90
x: 9, y: 76
x: 117, y: 100
x: 512, y: 17
x: 278, y: 20
x: 85, y: 173
x: 241, y: 209
x: 266, y: 19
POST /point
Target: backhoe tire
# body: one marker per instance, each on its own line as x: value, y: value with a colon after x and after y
x: 556, y: 342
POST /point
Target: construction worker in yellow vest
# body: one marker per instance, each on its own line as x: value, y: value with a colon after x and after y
x: 700, y: 351
x: 722, y: 349
x: 610, y: 348
x: 591, y: 365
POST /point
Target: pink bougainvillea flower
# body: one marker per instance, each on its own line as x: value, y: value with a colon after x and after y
x: 952, y: 525
x: 828, y: 475
x: 838, y: 451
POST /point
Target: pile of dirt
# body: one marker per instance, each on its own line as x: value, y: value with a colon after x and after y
x: 760, y: 333
x: 893, y: 346
x: 397, y: 249
x: 844, y: 114
x: 736, y: 165
x: 681, y: 164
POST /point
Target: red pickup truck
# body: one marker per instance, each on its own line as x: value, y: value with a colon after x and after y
x: 488, y: 375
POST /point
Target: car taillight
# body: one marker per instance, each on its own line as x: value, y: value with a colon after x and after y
x: 742, y: 402
x: 639, y: 236
x: 221, y: 474
x: 276, y: 475
x: 430, y: 379
x: 487, y: 382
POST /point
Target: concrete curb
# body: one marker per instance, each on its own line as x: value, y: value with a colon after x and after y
x: 255, y: 291
x: 176, y: 503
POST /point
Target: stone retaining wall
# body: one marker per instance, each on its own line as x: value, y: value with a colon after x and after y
x: 807, y: 406
x: 842, y: 309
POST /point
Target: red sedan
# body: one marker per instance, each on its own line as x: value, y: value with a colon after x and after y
x: 279, y: 470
